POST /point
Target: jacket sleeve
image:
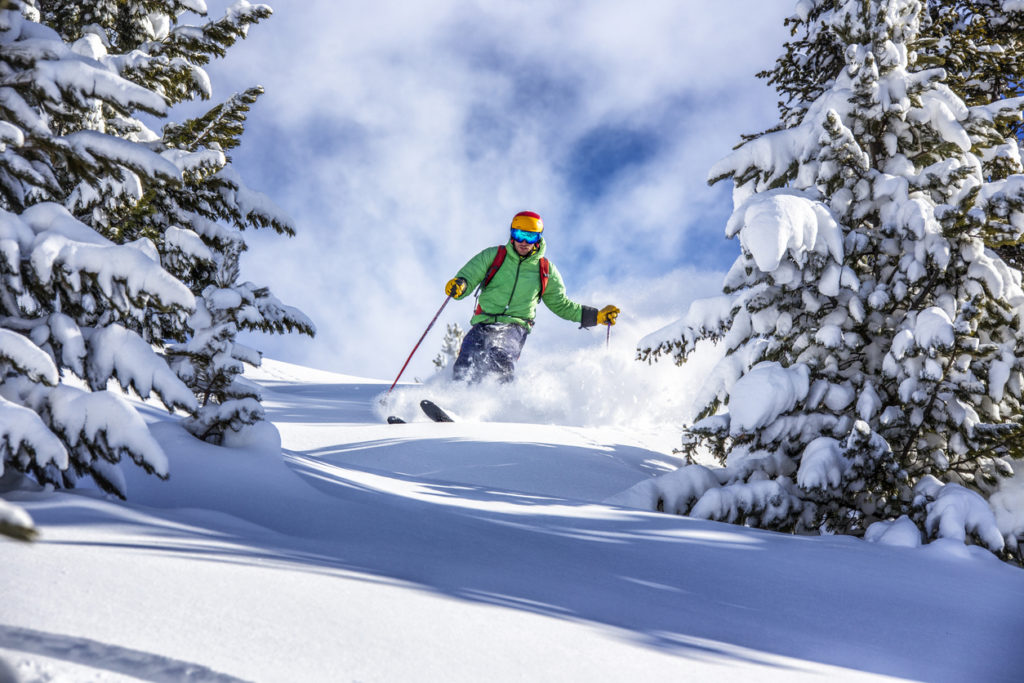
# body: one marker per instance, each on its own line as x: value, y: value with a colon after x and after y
x: 476, y: 269
x: 556, y: 300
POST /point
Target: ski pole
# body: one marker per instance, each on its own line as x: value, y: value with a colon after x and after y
x: 608, y: 336
x: 436, y: 316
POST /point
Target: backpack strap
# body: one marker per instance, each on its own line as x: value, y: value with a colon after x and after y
x: 499, y: 258
x: 545, y: 271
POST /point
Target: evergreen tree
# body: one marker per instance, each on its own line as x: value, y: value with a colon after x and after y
x: 449, y: 347
x: 197, y: 223
x: 212, y: 361
x: 976, y: 42
x: 69, y: 297
x: 872, y: 332
x: 150, y: 43
x: 88, y: 202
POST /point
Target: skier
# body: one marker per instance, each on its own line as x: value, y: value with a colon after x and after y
x: 511, y: 284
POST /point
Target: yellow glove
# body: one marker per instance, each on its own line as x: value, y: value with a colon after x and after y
x: 607, y: 315
x: 455, y: 288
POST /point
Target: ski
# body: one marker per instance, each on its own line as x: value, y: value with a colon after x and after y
x: 434, y: 412
x: 431, y: 409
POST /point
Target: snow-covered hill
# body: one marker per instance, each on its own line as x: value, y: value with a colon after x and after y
x: 463, y: 552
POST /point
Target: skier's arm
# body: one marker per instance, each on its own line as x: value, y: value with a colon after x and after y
x: 562, y: 306
x: 474, y: 272
x: 587, y: 316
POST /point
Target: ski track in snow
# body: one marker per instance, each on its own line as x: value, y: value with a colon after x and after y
x: 96, y: 655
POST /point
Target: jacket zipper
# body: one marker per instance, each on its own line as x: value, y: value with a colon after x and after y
x: 515, y: 284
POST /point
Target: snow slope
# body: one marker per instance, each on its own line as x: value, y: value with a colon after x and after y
x: 459, y: 552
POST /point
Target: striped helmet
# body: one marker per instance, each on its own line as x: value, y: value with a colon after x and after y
x: 528, y: 221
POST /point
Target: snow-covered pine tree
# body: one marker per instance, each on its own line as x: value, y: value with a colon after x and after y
x: 978, y: 43
x: 151, y: 43
x: 214, y: 208
x: 70, y: 297
x: 450, y: 346
x: 872, y: 334
x: 196, y: 224
x: 212, y: 361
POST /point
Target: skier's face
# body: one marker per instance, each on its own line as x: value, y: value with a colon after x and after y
x: 522, y: 248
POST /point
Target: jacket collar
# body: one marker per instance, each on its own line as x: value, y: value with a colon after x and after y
x: 534, y: 254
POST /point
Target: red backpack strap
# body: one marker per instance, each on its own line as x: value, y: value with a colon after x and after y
x: 545, y: 270
x: 499, y: 258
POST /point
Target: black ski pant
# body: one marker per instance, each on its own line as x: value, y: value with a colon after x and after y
x: 490, y: 349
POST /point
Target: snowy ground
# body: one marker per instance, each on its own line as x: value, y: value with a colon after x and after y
x: 463, y: 552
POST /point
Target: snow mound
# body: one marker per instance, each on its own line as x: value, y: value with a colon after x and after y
x: 774, y: 224
x: 957, y: 513
x: 1008, y: 505
x: 764, y: 393
x: 262, y: 437
x: 768, y: 499
x: 933, y: 328
x: 822, y: 464
x: 901, y: 533
x: 674, y: 492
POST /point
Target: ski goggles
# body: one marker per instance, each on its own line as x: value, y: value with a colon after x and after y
x: 525, y: 236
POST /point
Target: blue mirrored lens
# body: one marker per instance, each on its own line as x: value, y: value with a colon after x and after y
x: 524, y: 236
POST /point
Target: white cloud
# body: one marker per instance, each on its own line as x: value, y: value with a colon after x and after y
x: 403, y: 136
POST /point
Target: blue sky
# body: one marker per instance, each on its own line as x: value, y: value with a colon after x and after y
x: 402, y: 137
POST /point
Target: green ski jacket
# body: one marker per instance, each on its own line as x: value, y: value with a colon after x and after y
x: 512, y: 295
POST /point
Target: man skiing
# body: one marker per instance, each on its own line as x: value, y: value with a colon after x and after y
x: 513, y: 278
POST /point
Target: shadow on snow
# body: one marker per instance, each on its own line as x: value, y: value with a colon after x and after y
x: 652, y: 578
